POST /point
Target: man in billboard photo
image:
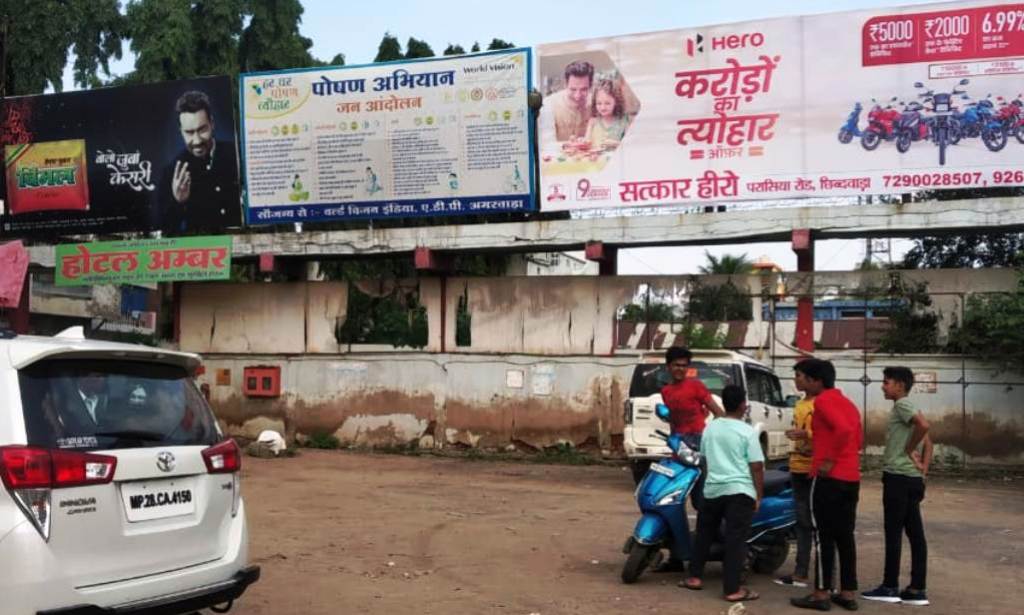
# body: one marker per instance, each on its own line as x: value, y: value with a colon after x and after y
x: 571, y: 106
x: 199, y: 189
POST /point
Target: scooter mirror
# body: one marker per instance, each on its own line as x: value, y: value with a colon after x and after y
x: 964, y: 81
x: 662, y: 411
x: 918, y: 84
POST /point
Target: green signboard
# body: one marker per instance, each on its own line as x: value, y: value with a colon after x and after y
x: 140, y: 261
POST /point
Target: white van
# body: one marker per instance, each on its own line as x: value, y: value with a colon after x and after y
x: 770, y: 412
x: 119, y: 492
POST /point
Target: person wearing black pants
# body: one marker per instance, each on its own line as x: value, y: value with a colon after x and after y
x: 733, y: 492
x: 835, y: 489
x: 903, y: 474
x: 738, y: 513
x: 901, y: 500
x: 834, y: 507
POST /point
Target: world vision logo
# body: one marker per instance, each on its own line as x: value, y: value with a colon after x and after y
x: 695, y: 45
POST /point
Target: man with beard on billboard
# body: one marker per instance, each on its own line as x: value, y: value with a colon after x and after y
x: 199, y: 189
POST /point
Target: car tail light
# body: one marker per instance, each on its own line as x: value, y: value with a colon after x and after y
x: 30, y: 473
x: 223, y: 458
x: 627, y: 413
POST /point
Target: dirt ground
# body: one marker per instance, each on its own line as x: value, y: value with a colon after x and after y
x: 340, y: 532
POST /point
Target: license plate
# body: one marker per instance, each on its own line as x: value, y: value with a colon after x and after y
x: 660, y: 469
x: 158, y: 499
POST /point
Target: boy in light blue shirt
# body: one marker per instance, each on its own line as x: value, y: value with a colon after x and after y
x: 732, y: 491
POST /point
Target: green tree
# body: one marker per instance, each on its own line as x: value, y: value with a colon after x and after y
x: 217, y: 25
x: 913, y: 326
x: 655, y: 311
x: 497, y: 43
x: 272, y: 40
x: 993, y: 327
x: 995, y: 249
x: 416, y: 48
x: 389, y: 50
x: 454, y: 50
x: 719, y: 303
x: 338, y: 60
x: 966, y: 251
x: 37, y: 36
x: 162, y: 39
x: 475, y: 48
x: 727, y: 264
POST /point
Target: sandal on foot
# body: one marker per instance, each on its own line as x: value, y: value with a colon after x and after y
x: 699, y: 585
x: 748, y: 595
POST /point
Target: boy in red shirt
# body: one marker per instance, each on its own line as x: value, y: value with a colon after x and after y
x: 835, y: 489
x: 689, y: 403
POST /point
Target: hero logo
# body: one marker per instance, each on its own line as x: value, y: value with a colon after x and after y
x: 731, y: 41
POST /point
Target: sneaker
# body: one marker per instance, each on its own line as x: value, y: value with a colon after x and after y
x: 883, y: 594
x: 914, y: 597
x: 790, y: 581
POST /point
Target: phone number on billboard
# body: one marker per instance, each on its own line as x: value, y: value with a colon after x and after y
x: 918, y: 180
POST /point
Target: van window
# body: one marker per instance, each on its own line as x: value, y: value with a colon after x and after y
x: 764, y: 387
x: 97, y: 404
x: 649, y: 379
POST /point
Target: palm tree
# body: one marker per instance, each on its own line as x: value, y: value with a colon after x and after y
x: 727, y: 264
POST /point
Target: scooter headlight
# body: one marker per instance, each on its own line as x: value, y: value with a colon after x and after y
x: 672, y: 498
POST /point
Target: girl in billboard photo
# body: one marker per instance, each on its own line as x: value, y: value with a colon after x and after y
x: 608, y: 119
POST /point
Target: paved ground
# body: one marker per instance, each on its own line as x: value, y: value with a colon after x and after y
x: 354, y: 533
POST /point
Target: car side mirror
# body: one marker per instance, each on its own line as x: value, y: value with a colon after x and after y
x: 791, y: 400
x: 662, y: 411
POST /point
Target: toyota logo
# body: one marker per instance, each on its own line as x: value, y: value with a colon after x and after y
x: 165, y: 461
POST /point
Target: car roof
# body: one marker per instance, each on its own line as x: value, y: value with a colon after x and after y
x: 706, y: 355
x: 23, y: 350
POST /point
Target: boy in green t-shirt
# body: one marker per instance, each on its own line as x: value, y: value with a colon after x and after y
x: 732, y: 493
x: 903, y: 473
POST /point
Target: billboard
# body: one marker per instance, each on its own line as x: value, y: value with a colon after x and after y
x: 880, y: 101
x: 150, y: 157
x: 144, y: 261
x: 433, y: 137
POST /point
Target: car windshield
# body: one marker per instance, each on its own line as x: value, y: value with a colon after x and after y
x: 96, y: 404
x: 648, y: 379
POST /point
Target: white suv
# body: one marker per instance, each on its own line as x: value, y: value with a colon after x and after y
x: 119, y: 492
x: 769, y: 413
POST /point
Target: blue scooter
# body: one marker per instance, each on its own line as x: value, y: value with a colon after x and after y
x: 849, y: 130
x: 662, y: 494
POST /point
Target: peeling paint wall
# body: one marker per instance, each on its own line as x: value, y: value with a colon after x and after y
x: 452, y: 400
x: 540, y: 369
x: 483, y: 401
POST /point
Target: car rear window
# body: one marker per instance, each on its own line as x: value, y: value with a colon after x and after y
x: 99, y: 404
x: 649, y: 379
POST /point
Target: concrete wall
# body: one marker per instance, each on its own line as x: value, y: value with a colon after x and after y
x: 543, y: 366
x: 535, y: 402
x: 388, y: 399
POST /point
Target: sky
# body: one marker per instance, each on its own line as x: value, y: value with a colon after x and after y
x: 356, y: 29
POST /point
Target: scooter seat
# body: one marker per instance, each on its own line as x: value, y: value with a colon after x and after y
x: 775, y: 482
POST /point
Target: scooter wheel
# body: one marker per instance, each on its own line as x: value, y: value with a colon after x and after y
x: 995, y: 139
x: 771, y: 557
x: 845, y: 136
x: 1020, y: 135
x: 640, y: 557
